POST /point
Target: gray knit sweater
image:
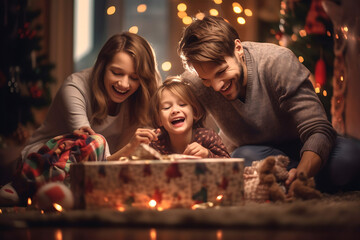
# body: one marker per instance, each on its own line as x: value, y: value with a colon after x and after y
x: 280, y: 104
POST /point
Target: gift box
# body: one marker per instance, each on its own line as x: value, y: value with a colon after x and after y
x: 158, y: 184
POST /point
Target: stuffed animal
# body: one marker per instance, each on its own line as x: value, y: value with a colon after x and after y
x: 303, y: 188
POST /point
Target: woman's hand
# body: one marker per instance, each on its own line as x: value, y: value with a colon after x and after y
x: 84, y: 130
x: 195, y: 149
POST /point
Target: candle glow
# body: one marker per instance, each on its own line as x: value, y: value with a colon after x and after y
x: 58, y: 207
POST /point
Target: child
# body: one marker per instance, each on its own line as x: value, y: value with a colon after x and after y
x: 179, y: 115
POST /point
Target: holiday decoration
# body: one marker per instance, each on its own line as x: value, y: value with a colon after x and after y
x: 308, y: 32
x: 54, y: 196
x: 166, y: 184
x: 320, y: 72
x: 24, y: 73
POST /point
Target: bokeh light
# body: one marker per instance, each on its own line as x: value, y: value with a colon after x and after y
x: 166, y: 66
x: 248, y: 12
x: 134, y: 29
x: 141, y: 8
x: 182, y: 14
x: 213, y: 12
x: 200, y: 15
x: 241, y: 20
x: 111, y: 10
x: 301, y: 59
x: 218, y: 1
x: 181, y: 7
x: 187, y: 20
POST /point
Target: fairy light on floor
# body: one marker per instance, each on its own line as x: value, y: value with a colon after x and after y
x: 58, y: 234
x: 58, y: 207
x: 219, y: 235
x: 152, y: 203
x: 120, y: 209
x: 153, y: 234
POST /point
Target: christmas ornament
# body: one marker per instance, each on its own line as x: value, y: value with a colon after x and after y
x: 54, y: 196
x: 320, y: 72
x: 316, y: 12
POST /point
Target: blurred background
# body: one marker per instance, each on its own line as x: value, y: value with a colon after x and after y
x: 44, y: 41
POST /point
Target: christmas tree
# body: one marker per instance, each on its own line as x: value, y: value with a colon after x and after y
x: 24, y: 73
x: 307, y: 30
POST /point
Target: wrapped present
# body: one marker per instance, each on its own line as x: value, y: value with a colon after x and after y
x: 158, y: 184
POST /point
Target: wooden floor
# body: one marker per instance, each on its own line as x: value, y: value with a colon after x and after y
x: 172, y: 234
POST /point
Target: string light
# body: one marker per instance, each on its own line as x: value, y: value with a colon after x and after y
x: 181, y: 7
x: 218, y: 1
x: 187, y: 20
x: 141, y: 8
x: 152, y: 234
x: 301, y: 59
x: 213, y: 12
x: 166, y: 66
x: 248, y: 12
x: 111, y: 10
x: 134, y: 29
x: 302, y: 33
x: 182, y: 14
x: 241, y: 20
x: 200, y: 15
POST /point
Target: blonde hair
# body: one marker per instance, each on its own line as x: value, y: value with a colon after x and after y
x: 208, y: 40
x: 181, y: 88
x: 145, y: 67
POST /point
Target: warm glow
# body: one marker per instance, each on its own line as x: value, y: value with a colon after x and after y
x: 218, y: 1
x: 200, y: 16
x: 57, y: 207
x: 141, y: 8
x: 166, y: 66
x: 341, y: 78
x: 58, y: 235
x: 237, y: 9
x: 248, y: 12
x: 345, y: 28
x: 328, y: 33
x: 111, y: 10
x: 218, y: 198
x: 325, y: 93
x: 294, y: 37
x: 241, y: 20
x: 236, y: 4
x: 29, y: 201
x: 219, y: 235
x: 187, y: 20
x: 213, y: 12
x: 134, y: 29
x: 301, y: 59
x: 160, y: 209
x: 152, y: 203
x: 181, y: 7
x: 182, y: 14
x: 302, y: 33
x: 152, y: 234
x: 282, y: 12
x: 317, y: 89
x: 42, y: 211
x: 120, y: 208
x: 283, y: 5
x: 0, y: 211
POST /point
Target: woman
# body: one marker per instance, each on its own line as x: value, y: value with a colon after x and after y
x: 108, y: 102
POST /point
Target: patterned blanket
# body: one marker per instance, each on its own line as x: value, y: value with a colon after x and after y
x: 52, y: 161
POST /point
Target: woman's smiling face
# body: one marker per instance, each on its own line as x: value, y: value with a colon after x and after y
x: 120, y: 78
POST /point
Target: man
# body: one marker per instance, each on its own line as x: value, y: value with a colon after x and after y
x: 259, y: 95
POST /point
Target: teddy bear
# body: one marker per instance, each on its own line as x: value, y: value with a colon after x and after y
x: 265, y: 181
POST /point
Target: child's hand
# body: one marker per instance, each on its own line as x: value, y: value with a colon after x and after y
x: 196, y: 149
x: 144, y: 135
